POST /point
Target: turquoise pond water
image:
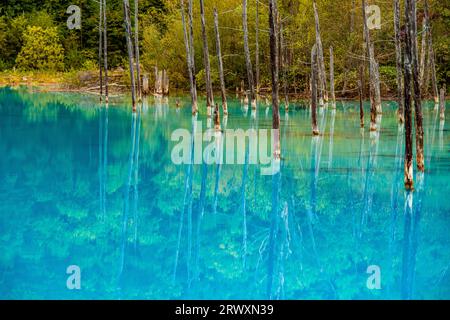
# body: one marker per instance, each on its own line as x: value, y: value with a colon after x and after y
x: 95, y: 187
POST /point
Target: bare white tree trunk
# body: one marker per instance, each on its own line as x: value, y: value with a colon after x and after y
x: 333, y: 95
x: 105, y: 52
x: 321, y: 62
x: 189, y: 61
x: 314, y: 80
x: 100, y: 43
x: 420, y: 159
x: 398, y: 61
x: 209, y: 91
x: 136, y: 48
x: 373, y: 107
x: 273, y: 28
x: 126, y: 9
x: 248, y: 61
x: 219, y: 58
x: 257, y: 84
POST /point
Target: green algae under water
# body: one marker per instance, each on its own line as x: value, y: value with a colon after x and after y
x: 85, y: 185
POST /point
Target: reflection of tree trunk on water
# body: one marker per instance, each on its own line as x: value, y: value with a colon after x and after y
x: 243, y: 209
x: 126, y: 204
x: 105, y: 161
x: 276, y: 184
x: 330, y: 152
x: 200, y: 214
x: 136, y: 182
x: 410, y: 239
x: 316, y: 150
x: 218, y: 173
x: 395, y: 195
x: 311, y: 212
x: 102, y: 158
x: 187, y: 203
x: 368, y: 192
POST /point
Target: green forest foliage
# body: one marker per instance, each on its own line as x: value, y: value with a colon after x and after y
x: 161, y: 37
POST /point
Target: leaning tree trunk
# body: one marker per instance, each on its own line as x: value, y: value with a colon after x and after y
x: 417, y: 95
x: 105, y: 51
x: 373, y: 108
x: 209, y: 92
x: 192, y: 53
x: 248, y: 61
x: 189, y: 61
x: 126, y: 10
x: 136, y: 48
x: 321, y: 63
x: 409, y: 183
x: 398, y: 61
x: 315, y: 130
x: 100, y: 42
x: 333, y: 95
x: 257, y: 85
x: 273, y: 14
x: 220, y: 62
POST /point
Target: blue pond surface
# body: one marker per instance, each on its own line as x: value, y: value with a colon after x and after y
x: 96, y: 187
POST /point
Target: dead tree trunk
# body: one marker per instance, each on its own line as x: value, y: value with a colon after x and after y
x: 361, y: 108
x: 361, y: 96
x: 321, y: 64
x: 209, y: 91
x: 431, y: 57
x: 136, y: 48
x: 283, y: 67
x: 398, y: 61
x: 257, y: 85
x: 273, y: 14
x: 100, y: 42
x: 105, y: 51
x: 417, y: 95
x: 126, y: 10
x: 220, y: 62
x: 373, y: 108
x: 192, y: 52
x: 409, y: 183
x: 376, y: 81
x: 248, y: 61
x: 333, y: 95
x: 423, y: 51
x: 189, y: 61
x: 314, y: 79
x: 442, y: 102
